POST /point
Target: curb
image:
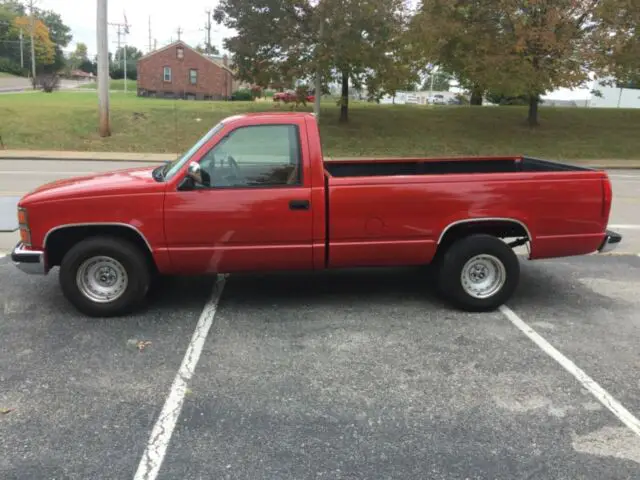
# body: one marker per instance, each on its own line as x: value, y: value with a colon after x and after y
x: 54, y: 155
x: 86, y: 156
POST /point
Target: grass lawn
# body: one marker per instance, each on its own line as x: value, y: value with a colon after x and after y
x: 113, y: 85
x: 68, y: 121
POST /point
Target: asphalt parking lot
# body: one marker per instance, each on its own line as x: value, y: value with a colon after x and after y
x: 340, y: 375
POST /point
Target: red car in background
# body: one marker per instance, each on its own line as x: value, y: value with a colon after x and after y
x: 290, y: 96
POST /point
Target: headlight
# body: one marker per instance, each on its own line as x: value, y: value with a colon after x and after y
x: 23, y: 225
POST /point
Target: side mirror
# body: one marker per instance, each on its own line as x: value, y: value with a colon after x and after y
x: 192, y: 179
x: 194, y: 170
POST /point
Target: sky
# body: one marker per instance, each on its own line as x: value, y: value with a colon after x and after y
x: 166, y: 17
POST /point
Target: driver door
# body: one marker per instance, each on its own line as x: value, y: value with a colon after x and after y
x: 253, y: 209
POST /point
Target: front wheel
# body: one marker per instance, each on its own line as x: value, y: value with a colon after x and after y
x: 104, y: 277
x: 478, y: 273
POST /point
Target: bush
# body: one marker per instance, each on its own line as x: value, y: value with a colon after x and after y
x: 243, y: 95
x: 117, y: 73
x: 47, y: 81
x: 256, y: 91
x: 9, y: 66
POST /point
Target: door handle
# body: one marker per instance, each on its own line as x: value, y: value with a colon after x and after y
x: 299, y: 205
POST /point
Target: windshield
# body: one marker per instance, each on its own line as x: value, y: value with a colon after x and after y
x: 171, y: 168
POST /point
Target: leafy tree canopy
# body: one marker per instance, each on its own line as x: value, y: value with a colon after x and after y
x: 358, y: 42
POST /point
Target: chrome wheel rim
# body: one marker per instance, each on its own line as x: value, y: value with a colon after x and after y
x: 483, y: 276
x: 102, y: 279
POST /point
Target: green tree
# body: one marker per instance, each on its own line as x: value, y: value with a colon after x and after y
x: 516, y: 47
x: 10, y: 38
x: 60, y: 35
x: 354, y: 42
x: 117, y: 66
x: 208, y: 49
x: 79, y: 56
x: 620, y: 40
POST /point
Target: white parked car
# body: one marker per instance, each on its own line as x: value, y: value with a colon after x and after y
x: 437, y: 99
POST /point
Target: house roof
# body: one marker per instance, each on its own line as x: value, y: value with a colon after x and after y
x: 183, y: 44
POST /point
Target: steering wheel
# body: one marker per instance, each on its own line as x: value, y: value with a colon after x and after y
x: 236, y: 176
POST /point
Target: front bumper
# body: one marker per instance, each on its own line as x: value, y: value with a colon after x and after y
x: 29, y: 261
x: 610, y: 242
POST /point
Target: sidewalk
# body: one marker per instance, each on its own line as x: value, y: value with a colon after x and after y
x: 163, y: 157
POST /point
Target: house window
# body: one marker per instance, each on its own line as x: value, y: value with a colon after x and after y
x: 167, y: 74
x: 180, y: 52
x: 193, y: 76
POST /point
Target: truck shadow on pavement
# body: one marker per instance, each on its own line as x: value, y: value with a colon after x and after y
x: 338, y: 287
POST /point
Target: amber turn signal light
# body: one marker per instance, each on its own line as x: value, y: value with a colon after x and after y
x: 25, y: 236
x: 22, y: 217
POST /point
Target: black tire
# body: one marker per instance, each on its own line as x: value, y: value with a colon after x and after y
x: 130, y: 258
x: 450, y: 284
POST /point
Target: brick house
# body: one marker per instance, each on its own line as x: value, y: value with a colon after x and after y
x: 179, y: 71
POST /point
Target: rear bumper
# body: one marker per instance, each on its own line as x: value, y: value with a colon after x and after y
x: 29, y: 261
x: 610, y: 242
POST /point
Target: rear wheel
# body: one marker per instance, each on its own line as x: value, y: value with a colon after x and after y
x: 104, y: 276
x: 478, y: 273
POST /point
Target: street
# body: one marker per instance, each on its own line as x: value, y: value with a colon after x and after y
x: 340, y: 375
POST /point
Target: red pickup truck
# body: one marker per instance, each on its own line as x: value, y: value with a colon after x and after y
x: 255, y: 194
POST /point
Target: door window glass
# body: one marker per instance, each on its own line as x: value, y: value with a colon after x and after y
x: 255, y: 156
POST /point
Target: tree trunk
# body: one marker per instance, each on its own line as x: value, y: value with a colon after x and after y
x: 344, y: 100
x: 476, y: 96
x: 532, y: 118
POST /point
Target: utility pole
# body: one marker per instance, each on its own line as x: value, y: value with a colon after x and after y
x: 21, y: 50
x: 208, y: 29
x: 318, y: 93
x: 126, y: 32
x: 149, y: 33
x: 122, y: 29
x: 103, y: 69
x: 33, y: 47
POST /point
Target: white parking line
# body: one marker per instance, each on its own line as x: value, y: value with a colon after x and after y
x: 163, y: 429
x: 45, y: 173
x: 625, y: 227
x: 618, y: 175
x: 587, y: 382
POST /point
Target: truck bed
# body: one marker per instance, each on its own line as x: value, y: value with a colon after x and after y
x: 373, y: 206
x: 443, y: 166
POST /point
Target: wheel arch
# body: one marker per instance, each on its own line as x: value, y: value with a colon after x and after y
x: 61, y: 238
x: 501, y: 227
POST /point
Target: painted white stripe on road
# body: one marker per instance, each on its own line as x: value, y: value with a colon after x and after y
x: 45, y: 173
x: 163, y: 429
x: 587, y: 382
x: 625, y: 227
x: 620, y: 175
